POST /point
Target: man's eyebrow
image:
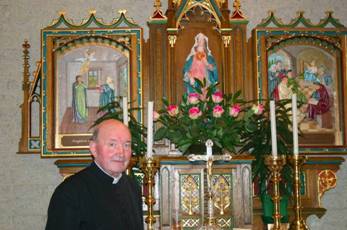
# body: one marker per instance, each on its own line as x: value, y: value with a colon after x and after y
x: 116, y: 140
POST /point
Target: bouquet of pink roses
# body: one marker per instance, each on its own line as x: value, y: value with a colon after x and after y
x: 205, y: 114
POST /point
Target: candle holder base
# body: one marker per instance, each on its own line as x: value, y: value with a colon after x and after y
x: 298, y: 222
x: 275, y: 165
x: 298, y: 225
x: 150, y: 167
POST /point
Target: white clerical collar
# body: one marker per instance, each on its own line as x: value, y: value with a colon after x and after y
x: 115, y: 179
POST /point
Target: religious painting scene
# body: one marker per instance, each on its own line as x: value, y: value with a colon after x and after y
x: 311, y: 73
x: 88, y: 78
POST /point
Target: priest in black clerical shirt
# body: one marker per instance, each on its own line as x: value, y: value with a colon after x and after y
x: 100, y: 197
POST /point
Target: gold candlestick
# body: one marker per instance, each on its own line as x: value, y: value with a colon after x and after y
x: 298, y: 223
x: 275, y: 165
x: 149, y: 166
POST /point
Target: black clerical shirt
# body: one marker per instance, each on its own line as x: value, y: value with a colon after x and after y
x: 89, y: 201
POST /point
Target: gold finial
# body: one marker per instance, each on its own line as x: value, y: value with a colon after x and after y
x: 226, y: 39
x: 92, y: 11
x: 123, y: 11
x: 237, y: 13
x: 237, y: 5
x: 157, y: 4
x: 62, y: 13
x: 26, y: 44
x: 158, y: 13
x: 172, y: 40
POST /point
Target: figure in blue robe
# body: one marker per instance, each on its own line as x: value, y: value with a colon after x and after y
x: 310, y: 73
x: 107, y: 94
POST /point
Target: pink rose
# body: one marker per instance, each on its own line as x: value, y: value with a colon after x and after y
x: 172, y: 110
x: 193, y: 98
x: 194, y: 113
x: 217, y: 97
x: 235, y: 110
x: 156, y: 115
x: 218, y: 111
x: 258, y: 109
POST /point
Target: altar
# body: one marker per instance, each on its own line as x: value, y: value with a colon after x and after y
x: 184, y: 197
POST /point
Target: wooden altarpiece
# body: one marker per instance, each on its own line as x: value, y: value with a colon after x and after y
x: 171, y: 37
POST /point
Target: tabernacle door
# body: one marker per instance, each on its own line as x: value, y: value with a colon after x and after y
x: 184, y: 195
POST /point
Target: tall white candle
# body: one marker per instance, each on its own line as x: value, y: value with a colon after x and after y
x: 273, y: 129
x: 295, y: 125
x: 125, y: 111
x: 150, y: 130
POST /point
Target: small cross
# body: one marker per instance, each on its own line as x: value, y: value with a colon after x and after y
x: 209, y: 158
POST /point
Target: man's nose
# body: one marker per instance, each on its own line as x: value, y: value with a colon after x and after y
x: 120, y: 150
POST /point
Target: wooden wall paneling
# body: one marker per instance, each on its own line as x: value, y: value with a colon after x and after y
x: 157, y: 63
x: 344, y: 84
x: 170, y: 84
x: 239, y: 49
x: 227, y: 65
x: 133, y: 75
x: 250, y: 85
x: 50, y: 93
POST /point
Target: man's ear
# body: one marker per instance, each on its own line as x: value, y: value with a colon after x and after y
x: 92, y: 147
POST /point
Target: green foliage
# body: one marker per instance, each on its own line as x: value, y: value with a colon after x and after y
x: 113, y: 110
x: 211, y: 119
x: 256, y: 138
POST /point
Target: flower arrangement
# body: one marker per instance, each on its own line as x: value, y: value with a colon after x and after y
x: 205, y: 114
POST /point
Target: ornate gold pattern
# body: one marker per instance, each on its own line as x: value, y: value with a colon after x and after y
x: 226, y: 40
x: 190, y: 223
x: 66, y: 43
x: 301, y: 21
x: 172, y: 40
x: 224, y: 222
x: 221, y: 189
x: 189, y: 5
x: 92, y: 22
x: 274, y: 40
x: 327, y: 180
x: 190, y: 194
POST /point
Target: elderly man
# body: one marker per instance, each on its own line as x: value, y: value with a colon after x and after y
x: 100, y: 196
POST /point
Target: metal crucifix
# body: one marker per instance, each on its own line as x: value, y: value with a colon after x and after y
x: 209, y: 158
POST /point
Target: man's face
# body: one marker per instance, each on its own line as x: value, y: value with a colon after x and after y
x: 112, y: 149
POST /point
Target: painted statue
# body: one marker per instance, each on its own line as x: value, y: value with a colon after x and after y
x: 200, y: 65
x: 79, y: 101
